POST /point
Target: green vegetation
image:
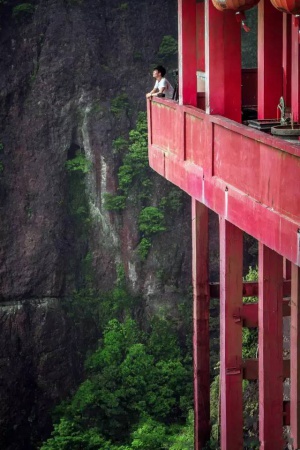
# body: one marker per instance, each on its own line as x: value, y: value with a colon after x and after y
x: 137, y: 394
x: 168, y: 47
x: 78, y: 164
x: 135, y: 185
x: 23, y: 10
x: 120, y: 105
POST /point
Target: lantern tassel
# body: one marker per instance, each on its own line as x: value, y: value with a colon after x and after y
x: 241, y: 18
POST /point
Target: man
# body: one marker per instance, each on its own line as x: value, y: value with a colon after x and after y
x: 162, y: 87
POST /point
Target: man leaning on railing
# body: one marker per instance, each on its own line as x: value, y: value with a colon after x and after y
x: 162, y: 87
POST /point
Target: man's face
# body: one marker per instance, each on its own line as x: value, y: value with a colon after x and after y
x: 156, y: 74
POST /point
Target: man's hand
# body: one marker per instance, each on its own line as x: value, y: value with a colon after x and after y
x: 149, y: 95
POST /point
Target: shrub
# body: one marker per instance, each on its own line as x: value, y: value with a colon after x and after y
x: 23, y: 10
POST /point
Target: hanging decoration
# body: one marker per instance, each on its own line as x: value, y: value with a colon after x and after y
x: 239, y: 6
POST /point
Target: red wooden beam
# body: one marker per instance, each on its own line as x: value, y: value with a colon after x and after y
x: 286, y: 413
x: 250, y: 368
x: 287, y: 271
x: 286, y: 58
x: 200, y: 32
x: 187, y: 52
x: 201, y: 324
x: 250, y: 289
x: 223, y: 63
x: 231, y: 266
x: 269, y: 56
x: 270, y: 349
x: 295, y: 69
x: 295, y: 357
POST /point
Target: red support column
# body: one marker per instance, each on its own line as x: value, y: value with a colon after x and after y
x: 223, y: 63
x: 286, y: 58
x: 295, y: 358
x: 187, y: 52
x: 270, y: 339
x: 201, y: 323
x: 295, y: 69
x: 200, y: 31
x: 231, y: 288
x: 269, y: 70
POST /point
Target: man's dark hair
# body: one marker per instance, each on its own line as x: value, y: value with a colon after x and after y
x: 161, y: 70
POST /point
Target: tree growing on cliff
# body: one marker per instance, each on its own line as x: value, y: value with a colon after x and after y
x: 136, y: 395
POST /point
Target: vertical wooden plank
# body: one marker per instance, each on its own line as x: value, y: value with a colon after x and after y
x: 295, y: 69
x: 286, y: 58
x: 270, y: 339
x: 201, y: 323
x: 295, y: 358
x: 187, y: 52
x: 286, y: 269
x: 269, y: 60
x: 200, y: 32
x: 222, y: 63
x: 231, y: 288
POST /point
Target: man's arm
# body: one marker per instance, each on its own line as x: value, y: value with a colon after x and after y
x: 151, y: 93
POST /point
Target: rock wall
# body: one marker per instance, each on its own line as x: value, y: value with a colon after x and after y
x: 64, y: 63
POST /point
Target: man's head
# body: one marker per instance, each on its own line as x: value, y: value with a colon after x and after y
x: 159, y: 72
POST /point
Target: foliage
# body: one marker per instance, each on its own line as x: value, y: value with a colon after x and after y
x: 184, y: 440
x: 144, y: 247
x: 250, y: 336
x: 151, y: 221
x: 1, y: 167
x: 79, y: 163
x: 136, y: 396
x: 120, y: 104
x: 114, y: 202
x: 23, y: 10
x: 168, y: 47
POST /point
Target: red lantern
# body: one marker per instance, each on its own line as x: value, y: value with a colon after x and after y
x: 235, y: 5
x: 239, y: 6
x: 287, y: 6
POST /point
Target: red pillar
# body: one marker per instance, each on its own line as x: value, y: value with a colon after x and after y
x: 187, y: 52
x: 286, y: 58
x: 295, y: 70
x: 269, y: 64
x: 200, y: 31
x: 201, y: 324
x: 231, y: 288
x: 270, y: 339
x: 295, y: 358
x: 223, y: 63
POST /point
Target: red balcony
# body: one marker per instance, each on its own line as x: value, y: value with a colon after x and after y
x: 250, y: 178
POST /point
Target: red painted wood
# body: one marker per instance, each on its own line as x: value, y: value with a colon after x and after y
x: 231, y: 286
x: 287, y: 269
x: 201, y: 324
x: 200, y: 31
x: 250, y: 369
x: 187, y: 52
x: 270, y: 341
x: 286, y: 58
x: 223, y: 63
x: 295, y: 69
x: 269, y: 57
x: 295, y: 358
x: 263, y: 180
x: 250, y: 289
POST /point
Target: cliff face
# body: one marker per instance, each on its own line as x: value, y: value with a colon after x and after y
x: 73, y: 76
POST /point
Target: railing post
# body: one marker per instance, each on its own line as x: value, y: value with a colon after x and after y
x: 187, y: 52
x: 222, y: 63
x: 295, y: 69
x: 295, y: 358
x: 201, y: 323
x: 270, y: 350
x: 269, y: 60
x: 231, y: 288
